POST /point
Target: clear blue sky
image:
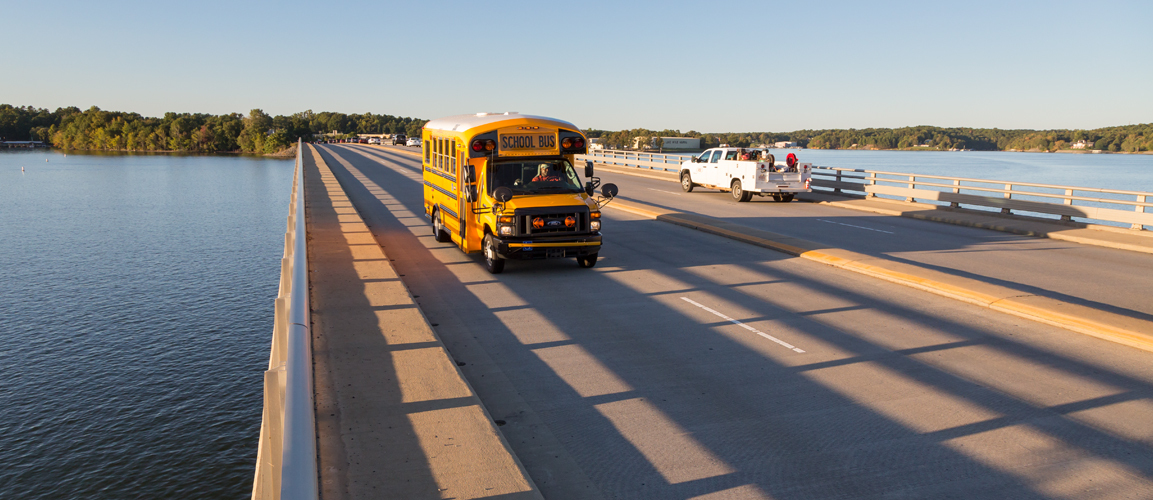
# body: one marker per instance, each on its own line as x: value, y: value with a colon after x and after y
x: 711, y: 66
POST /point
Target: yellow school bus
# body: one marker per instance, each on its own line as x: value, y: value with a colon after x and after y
x: 505, y: 184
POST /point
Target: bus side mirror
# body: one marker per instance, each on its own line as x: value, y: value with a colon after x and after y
x: 470, y: 194
x: 470, y: 174
x: 588, y: 168
x: 609, y: 190
x: 502, y: 194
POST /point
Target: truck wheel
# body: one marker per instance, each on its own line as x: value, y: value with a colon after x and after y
x: 587, y: 261
x: 740, y: 194
x: 492, y: 261
x: 686, y: 182
x: 787, y: 197
x: 776, y: 196
x: 438, y: 232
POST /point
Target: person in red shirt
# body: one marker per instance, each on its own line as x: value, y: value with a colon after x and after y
x: 547, y: 173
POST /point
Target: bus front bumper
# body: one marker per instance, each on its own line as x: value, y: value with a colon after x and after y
x: 548, y: 247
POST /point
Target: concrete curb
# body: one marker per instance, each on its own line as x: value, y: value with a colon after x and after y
x: 1105, y: 325
x: 394, y: 150
x: 1106, y: 236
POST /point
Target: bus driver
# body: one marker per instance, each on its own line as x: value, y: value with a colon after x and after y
x: 547, y: 172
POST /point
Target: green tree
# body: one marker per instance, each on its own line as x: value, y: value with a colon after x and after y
x: 257, y: 127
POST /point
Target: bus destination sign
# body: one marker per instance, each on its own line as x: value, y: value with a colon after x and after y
x: 521, y: 143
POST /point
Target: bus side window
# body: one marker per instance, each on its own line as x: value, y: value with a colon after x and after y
x: 424, y: 146
x: 452, y: 157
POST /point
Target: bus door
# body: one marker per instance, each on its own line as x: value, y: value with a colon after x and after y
x: 468, y: 219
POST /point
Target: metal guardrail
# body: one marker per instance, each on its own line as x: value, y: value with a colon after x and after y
x: 286, y: 456
x: 639, y: 159
x: 1092, y: 204
x: 1067, y: 202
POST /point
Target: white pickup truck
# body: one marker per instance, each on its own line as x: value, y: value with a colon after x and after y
x: 725, y: 170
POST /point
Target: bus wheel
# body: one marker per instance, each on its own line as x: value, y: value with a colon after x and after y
x: 587, y: 261
x: 686, y: 184
x: 787, y: 197
x: 740, y: 194
x: 494, y: 263
x: 438, y: 232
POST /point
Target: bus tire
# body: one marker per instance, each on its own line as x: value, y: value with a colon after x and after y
x: 686, y: 183
x: 438, y: 232
x: 492, y: 261
x: 740, y: 194
x: 587, y: 261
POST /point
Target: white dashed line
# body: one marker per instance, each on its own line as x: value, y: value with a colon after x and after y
x: 742, y: 325
x: 858, y: 227
x: 663, y: 191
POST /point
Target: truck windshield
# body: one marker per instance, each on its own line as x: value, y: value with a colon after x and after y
x: 535, y: 177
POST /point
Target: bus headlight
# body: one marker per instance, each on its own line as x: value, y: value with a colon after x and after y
x: 595, y: 225
x: 506, y: 230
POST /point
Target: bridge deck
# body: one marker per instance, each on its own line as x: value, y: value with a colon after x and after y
x: 662, y: 372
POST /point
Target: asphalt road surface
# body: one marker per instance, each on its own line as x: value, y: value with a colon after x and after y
x: 686, y: 365
x: 1103, y: 278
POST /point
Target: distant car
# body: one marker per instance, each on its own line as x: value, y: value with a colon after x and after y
x: 399, y: 139
x: 413, y: 141
x: 374, y: 140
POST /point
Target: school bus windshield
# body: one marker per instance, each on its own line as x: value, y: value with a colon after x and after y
x: 535, y: 177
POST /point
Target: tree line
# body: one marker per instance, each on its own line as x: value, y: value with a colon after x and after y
x: 1128, y: 138
x: 97, y: 129
x: 94, y: 128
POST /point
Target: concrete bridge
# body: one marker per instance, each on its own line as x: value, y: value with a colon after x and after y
x: 847, y: 347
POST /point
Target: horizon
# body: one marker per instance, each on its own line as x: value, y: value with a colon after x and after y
x: 832, y: 65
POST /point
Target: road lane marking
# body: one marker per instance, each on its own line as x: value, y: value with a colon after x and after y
x: 663, y: 191
x: 858, y: 227
x: 742, y: 325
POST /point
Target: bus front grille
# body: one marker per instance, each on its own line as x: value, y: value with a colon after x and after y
x: 573, y: 222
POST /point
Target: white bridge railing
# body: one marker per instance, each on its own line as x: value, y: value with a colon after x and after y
x: 639, y: 159
x: 286, y: 456
x: 1093, y: 205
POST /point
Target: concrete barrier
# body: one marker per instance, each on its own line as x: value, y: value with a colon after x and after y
x: 286, y: 453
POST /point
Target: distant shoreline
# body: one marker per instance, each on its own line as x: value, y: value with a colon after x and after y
x: 286, y: 153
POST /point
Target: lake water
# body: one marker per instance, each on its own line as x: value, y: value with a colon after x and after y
x: 1109, y: 171
x: 136, y: 300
